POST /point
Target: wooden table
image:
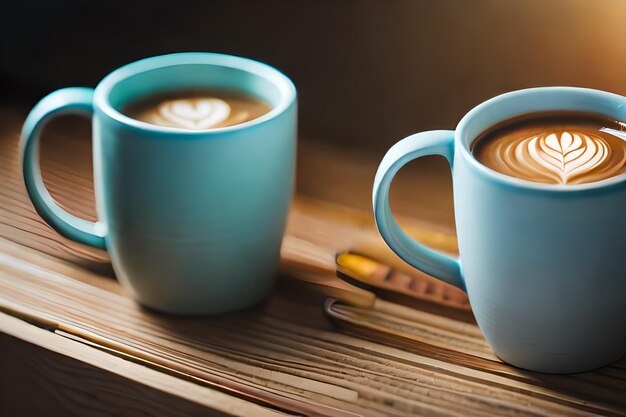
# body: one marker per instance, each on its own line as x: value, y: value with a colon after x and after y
x: 73, y: 343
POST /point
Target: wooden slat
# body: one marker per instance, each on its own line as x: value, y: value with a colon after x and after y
x: 46, y: 367
x: 462, y: 344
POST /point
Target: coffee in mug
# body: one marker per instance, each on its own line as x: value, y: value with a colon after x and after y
x: 539, y: 189
x: 197, y: 109
x: 192, y: 215
x: 555, y: 147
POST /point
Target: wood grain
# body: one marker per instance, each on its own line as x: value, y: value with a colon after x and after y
x: 282, y: 355
x: 67, y: 378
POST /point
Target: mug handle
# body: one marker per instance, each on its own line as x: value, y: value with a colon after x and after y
x: 435, y: 142
x: 76, y: 100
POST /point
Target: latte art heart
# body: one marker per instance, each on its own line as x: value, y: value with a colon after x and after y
x: 570, y: 149
x: 197, y: 110
x: 194, y: 114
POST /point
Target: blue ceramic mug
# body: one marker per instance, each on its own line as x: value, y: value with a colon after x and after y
x: 544, y: 265
x: 193, y: 220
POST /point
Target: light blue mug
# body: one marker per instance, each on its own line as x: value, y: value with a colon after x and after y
x: 193, y: 220
x: 544, y: 265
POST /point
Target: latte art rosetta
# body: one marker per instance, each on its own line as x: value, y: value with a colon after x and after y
x: 560, y: 157
x: 557, y: 147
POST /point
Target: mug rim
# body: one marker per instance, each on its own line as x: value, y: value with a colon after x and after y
x: 513, y: 182
x: 284, y: 85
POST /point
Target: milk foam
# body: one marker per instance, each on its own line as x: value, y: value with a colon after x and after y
x: 557, y: 152
x: 196, y: 114
x: 197, y: 110
x: 563, y: 157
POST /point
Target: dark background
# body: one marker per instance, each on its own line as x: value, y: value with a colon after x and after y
x: 368, y: 72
